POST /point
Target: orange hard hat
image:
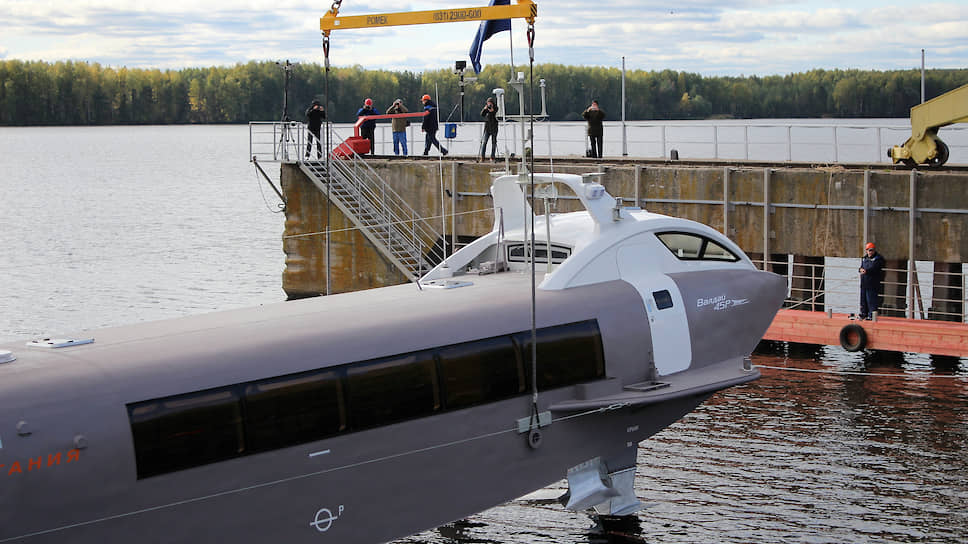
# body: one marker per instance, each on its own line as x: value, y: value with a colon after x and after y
x: 425, y: 97
x: 367, y: 102
x: 870, y: 245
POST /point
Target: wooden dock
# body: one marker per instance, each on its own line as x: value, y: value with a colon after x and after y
x: 887, y: 333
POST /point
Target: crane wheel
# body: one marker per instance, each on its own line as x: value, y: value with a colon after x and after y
x: 853, y: 337
x: 942, y: 156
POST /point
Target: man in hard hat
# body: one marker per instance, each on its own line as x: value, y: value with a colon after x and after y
x: 430, y: 125
x: 368, y: 128
x: 871, y: 273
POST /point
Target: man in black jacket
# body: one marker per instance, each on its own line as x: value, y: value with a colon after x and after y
x: 871, y: 273
x: 596, y: 132
x: 368, y: 127
x: 489, y: 113
x: 314, y: 117
x: 430, y: 125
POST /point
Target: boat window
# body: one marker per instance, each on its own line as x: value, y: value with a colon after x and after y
x: 688, y: 246
x: 293, y: 409
x: 204, y: 427
x: 516, y: 253
x: 394, y: 389
x: 186, y: 431
x: 663, y: 299
x: 481, y: 371
x: 716, y: 252
x: 567, y: 354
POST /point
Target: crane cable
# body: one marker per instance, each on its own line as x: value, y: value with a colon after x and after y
x: 534, y: 436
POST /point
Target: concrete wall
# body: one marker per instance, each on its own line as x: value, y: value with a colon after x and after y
x: 813, y: 211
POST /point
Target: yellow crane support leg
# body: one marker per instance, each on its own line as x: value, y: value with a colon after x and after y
x: 924, y: 146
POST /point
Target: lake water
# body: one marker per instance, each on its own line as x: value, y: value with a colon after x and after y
x: 112, y: 225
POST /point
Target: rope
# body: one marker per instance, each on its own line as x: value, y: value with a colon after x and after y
x: 281, y: 206
x: 854, y: 373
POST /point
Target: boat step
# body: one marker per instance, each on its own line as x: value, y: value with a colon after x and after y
x: 642, y: 387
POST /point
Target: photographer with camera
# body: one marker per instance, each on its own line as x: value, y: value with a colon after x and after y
x: 595, y: 115
x: 489, y: 113
x: 399, y: 126
x: 314, y: 121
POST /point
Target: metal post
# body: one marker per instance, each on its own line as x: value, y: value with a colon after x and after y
x: 766, y: 218
x: 867, y: 206
x: 726, y: 201
x: 922, y: 76
x: 625, y: 147
x: 789, y: 143
x: 638, y: 181
x: 715, y: 142
x: 746, y: 141
x: 663, y: 153
x: 910, y: 267
x: 453, y: 205
x: 836, y: 146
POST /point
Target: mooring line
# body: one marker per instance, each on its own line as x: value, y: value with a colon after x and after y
x: 855, y: 373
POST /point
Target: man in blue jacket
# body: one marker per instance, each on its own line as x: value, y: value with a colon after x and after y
x: 368, y: 128
x: 430, y: 125
x: 871, y: 273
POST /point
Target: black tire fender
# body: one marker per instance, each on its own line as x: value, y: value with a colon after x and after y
x: 853, y: 337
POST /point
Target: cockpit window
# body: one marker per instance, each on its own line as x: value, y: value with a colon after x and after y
x: 690, y: 247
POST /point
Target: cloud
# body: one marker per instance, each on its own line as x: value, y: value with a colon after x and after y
x: 713, y: 37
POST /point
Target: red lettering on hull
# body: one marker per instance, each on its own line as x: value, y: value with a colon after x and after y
x: 36, y: 463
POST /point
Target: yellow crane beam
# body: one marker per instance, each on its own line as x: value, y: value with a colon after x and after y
x: 524, y: 9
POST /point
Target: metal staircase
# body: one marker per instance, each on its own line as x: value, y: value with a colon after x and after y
x: 410, y: 242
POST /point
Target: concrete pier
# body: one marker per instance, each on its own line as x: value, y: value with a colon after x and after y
x: 781, y: 210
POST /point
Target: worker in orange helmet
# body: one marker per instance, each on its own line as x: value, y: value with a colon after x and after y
x: 871, y: 274
x: 430, y: 125
x: 368, y: 128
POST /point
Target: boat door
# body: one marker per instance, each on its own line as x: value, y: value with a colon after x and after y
x: 671, y: 344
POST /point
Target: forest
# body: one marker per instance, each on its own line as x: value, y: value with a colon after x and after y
x: 81, y: 93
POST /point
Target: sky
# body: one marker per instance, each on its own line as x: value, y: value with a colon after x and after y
x: 709, y: 37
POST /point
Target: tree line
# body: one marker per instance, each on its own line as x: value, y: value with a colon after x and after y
x: 81, y: 93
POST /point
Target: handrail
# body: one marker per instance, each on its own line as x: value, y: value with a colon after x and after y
x: 381, y: 213
x: 808, y: 289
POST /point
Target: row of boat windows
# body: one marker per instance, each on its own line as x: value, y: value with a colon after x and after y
x: 685, y: 246
x: 193, y: 429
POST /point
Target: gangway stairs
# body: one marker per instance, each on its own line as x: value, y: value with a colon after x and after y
x: 407, y: 240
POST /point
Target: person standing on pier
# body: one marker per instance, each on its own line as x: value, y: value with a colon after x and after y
x: 399, y: 126
x: 368, y: 127
x: 314, y: 117
x: 430, y: 125
x: 489, y: 113
x: 871, y: 273
x: 595, y: 115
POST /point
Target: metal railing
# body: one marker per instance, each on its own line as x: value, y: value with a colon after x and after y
x: 854, y: 142
x: 408, y: 240
x: 819, y: 287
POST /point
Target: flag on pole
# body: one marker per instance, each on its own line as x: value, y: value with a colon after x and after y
x: 485, y: 31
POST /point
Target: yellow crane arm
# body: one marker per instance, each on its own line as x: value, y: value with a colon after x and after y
x: 524, y: 9
x: 947, y: 109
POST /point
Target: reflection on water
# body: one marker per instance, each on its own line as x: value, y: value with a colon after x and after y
x: 844, y: 456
